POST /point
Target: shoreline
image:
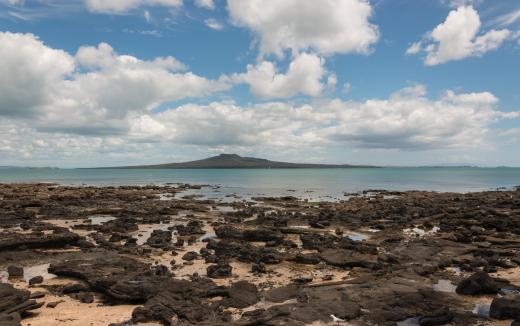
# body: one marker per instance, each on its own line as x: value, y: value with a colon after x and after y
x: 152, y: 254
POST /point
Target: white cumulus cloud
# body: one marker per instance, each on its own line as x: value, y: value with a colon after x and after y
x: 30, y: 73
x: 327, y: 27
x: 304, y: 76
x: 91, y: 92
x: 408, y: 120
x: 458, y: 38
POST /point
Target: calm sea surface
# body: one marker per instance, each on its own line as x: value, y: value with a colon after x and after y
x: 304, y: 183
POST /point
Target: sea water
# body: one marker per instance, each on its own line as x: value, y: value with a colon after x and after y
x: 324, y: 184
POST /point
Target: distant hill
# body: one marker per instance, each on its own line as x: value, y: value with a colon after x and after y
x: 234, y: 161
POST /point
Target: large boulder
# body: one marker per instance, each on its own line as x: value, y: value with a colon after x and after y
x: 507, y: 307
x: 480, y: 283
x: 241, y: 295
x: 14, y: 303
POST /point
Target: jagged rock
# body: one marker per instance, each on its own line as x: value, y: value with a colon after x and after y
x: 192, y: 228
x: 14, y: 302
x: 241, y: 295
x: 189, y: 256
x: 221, y: 270
x: 507, y: 307
x: 15, y: 271
x: 160, y: 239
x: 309, y: 259
x: 35, y: 240
x: 480, y: 283
x: 228, y: 232
x: 262, y: 234
x: 317, y: 241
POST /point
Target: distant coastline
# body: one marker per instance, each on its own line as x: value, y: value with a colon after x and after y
x: 234, y: 161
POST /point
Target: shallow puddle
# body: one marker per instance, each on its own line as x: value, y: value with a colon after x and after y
x: 357, y: 236
x: 414, y: 321
x: 100, y: 219
x: 30, y: 272
x: 421, y: 232
x: 482, y: 309
x: 209, y: 235
x: 4, y: 276
x: 444, y: 286
x: 37, y: 270
x: 506, y: 291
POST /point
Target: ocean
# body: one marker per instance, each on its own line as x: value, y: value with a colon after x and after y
x: 324, y: 184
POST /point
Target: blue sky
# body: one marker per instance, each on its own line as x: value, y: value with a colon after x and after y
x: 397, y: 82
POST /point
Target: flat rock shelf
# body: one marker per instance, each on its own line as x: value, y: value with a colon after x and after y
x: 131, y: 255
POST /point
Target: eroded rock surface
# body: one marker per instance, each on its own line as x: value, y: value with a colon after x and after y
x: 378, y: 258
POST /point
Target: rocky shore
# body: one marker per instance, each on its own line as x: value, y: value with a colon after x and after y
x: 155, y: 256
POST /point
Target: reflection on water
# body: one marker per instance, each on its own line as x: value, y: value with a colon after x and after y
x: 209, y: 235
x: 506, y: 291
x: 37, y: 270
x: 30, y: 272
x: 324, y: 184
x: 4, y: 276
x: 100, y: 219
x: 444, y: 286
x: 482, y: 309
x: 357, y: 236
x: 409, y: 322
x: 420, y: 232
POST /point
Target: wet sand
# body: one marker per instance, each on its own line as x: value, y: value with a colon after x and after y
x: 152, y: 255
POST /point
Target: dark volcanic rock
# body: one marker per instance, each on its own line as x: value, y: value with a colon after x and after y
x: 160, y: 239
x: 220, y: 270
x: 192, y: 228
x: 241, y: 295
x: 14, y: 302
x: 35, y: 240
x: 440, y: 316
x: 191, y: 255
x: 74, y: 288
x: 15, y: 271
x: 13, y: 319
x: 83, y: 297
x: 317, y: 241
x: 314, y: 305
x: 36, y: 280
x: 309, y: 259
x: 282, y: 294
x: 258, y: 268
x: 480, y: 283
x: 346, y: 258
x: 123, y: 279
x: 261, y: 234
x: 228, y: 232
x: 507, y: 307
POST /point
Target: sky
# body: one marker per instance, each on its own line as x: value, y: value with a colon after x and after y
x: 386, y: 82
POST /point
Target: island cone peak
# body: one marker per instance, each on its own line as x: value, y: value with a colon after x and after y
x: 235, y: 161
